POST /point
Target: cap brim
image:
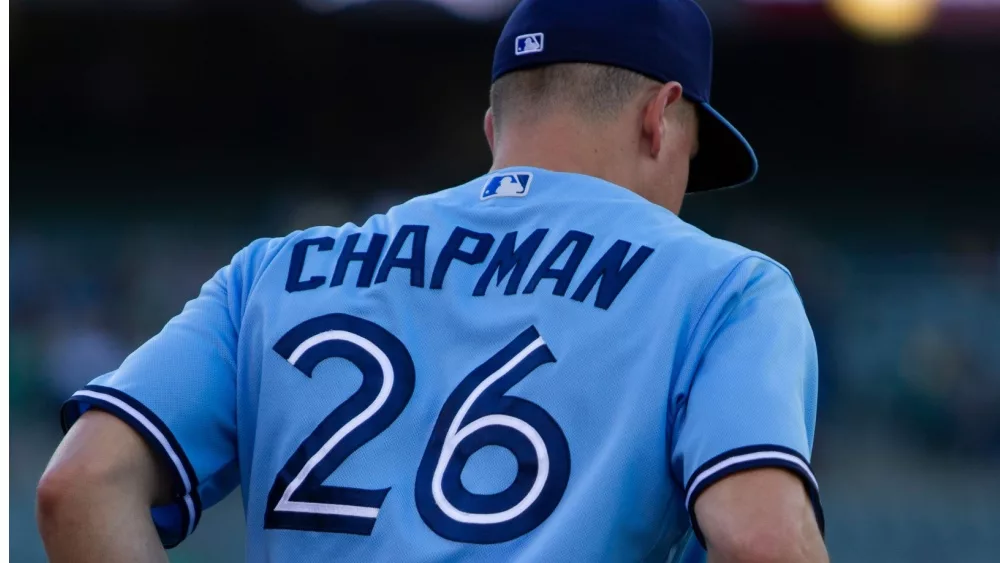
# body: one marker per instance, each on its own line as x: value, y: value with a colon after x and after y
x: 725, y: 159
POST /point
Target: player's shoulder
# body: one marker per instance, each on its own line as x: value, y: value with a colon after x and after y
x: 699, y: 251
x: 263, y: 251
x: 259, y: 255
x: 706, y: 267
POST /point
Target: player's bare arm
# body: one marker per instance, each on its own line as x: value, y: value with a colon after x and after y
x: 95, y: 495
x: 757, y: 516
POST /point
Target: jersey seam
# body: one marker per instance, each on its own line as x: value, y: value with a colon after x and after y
x: 258, y: 273
x: 264, y: 265
x: 715, y: 294
x: 694, y: 331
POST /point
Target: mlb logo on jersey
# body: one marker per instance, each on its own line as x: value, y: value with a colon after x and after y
x: 529, y: 43
x: 507, y: 185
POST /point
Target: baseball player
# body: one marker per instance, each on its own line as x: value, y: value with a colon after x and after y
x: 542, y: 364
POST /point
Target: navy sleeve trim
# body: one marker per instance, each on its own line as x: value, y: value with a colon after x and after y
x: 157, y: 435
x: 751, y: 457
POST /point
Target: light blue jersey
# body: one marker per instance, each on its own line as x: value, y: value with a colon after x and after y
x: 534, y: 366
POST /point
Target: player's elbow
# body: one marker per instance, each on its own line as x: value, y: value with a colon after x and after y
x: 63, y: 486
x: 54, y: 496
x: 80, y: 476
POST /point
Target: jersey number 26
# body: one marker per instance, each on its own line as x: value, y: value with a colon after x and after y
x: 476, y: 414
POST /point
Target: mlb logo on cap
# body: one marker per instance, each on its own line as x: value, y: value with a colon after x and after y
x: 507, y: 185
x: 665, y: 40
x: 529, y: 43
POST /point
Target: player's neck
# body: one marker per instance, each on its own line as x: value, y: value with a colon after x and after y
x: 561, y: 147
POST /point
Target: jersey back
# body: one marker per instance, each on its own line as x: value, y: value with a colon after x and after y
x: 531, y: 366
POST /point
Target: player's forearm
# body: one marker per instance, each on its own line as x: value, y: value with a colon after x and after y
x: 95, y: 526
x: 800, y: 543
x: 807, y: 552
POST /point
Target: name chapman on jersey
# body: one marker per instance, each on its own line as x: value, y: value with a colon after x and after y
x: 503, y: 265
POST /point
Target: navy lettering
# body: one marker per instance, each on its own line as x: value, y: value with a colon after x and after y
x: 506, y: 267
x: 563, y: 276
x: 612, y: 274
x: 368, y: 258
x: 508, y: 258
x: 294, y: 282
x: 453, y: 251
x: 415, y: 263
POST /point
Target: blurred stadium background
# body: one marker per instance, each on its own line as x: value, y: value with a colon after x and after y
x: 151, y: 139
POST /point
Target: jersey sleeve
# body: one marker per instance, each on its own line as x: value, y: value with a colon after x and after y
x: 749, y: 397
x: 178, y: 390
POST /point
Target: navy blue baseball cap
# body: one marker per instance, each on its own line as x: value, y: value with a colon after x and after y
x: 665, y: 40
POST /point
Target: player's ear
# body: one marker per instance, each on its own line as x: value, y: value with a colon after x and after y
x: 488, y: 127
x: 655, y: 116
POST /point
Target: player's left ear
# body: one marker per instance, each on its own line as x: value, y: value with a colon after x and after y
x: 655, y: 118
x: 488, y: 127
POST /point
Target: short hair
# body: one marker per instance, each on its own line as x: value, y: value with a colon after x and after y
x: 593, y: 90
